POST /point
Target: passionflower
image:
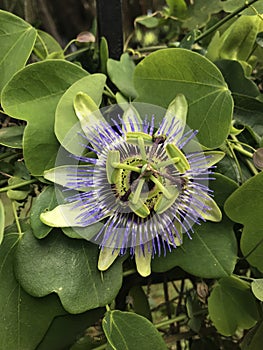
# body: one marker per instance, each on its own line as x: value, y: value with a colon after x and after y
x: 145, y: 182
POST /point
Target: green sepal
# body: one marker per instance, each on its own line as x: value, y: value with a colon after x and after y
x: 139, y: 208
x: 107, y: 257
x: 163, y: 203
x: 132, y: 137
x: 182, y: 166
x: 87, y: 112
x: 176, y: 112
x: 129, y: 116
x: 214, y: 213
x: 213, y: 157
x: 112, y: 172
x: 143, y: 261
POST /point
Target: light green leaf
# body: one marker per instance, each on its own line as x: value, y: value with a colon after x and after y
x: 257, y: 288
x: 16, y: 41
x: 121, y: 74
x: 32, y: 95
x: 66, y: 122
x: 2, y: 221
x: 231, y: 305
x: 67, y: 267
x: 212, y: 252
x: 209, y: 100
x: 46, y: 45
x: 45, y: 201
x: 127, y: 330
x: 19, y: 311
x: 245, y: 206
x: 12, y: 136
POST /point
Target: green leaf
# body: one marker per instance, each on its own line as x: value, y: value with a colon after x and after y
x: 222, y: 187
x: 19, y: 311
x: 231, y: 305
x: 139, y: 302
x: 12, y: 136
x: 64, y: 330
x: 16, y: 41
x: 2, y: 221
x: 199, y: 13
x: 236, y: 80
x: 257, y: 288
x: 32, y: 95
x: 126, y: 330
x: 212, y: 252
x: 121, y: 74
x: 45, y: 201
x: 209, y: 100
x: 46, y: 45
x: 66, y: 122
x: 67, y: 267
x: 245, y: 206
x: 249, y: 112
x: 253, y: 338
x: 148, y: 21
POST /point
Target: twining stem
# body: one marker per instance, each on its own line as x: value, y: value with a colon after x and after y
x: 16, y: 219
x: 224, y: 20
x: 21, y: 184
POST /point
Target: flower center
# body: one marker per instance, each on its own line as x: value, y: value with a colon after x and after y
x: 147, y: 182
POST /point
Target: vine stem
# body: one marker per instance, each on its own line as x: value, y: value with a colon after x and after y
x: 224, y: 20
x: 16, y: 219
x: 21, y: 184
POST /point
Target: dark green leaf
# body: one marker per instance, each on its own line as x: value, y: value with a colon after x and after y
x: 16, y: 41
x: 165, y: 73
x: 231, y: 305
x: 121, y: 74
x: 245, y: 206
x: 12, y: 136
x: 211, y: 253
x: 253, y: 339
x: 23, y: 319
x: 64, y: 330
x: 2, y: 220
x: 67, y: 267
x: 126, y: 330
x: 32, y: 94
x: 45, y: 201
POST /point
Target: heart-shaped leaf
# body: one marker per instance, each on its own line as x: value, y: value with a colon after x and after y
x: 32, y: 95
x: 16, y: 41
x: 19, y: 311
x: 231, y: 305
x: 211, y: 253
x: 67, y: 267
x: 66, y: 119
x: 127, y: 330
x: 165, y: 73
x: 245, y: 206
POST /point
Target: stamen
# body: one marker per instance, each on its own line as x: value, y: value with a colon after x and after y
x: 161, y: 187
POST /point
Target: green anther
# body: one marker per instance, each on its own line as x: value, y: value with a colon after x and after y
x: 164, y: 203
x: 161, y: 187
x: 163, y: 164
x: 140, y: 208
x: 112, y: 171
x: 142, y: 147
x: 124, y: 166
x: 182, y: 166
x: 137, y: 193
x: 132, y: 137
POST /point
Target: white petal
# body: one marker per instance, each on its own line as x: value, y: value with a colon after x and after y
x: 214, y: 214
x: 213, y: 157
x: 143, y: 261
x: 64, y: 215
x: 131, y: 116
x: 107, y: 257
